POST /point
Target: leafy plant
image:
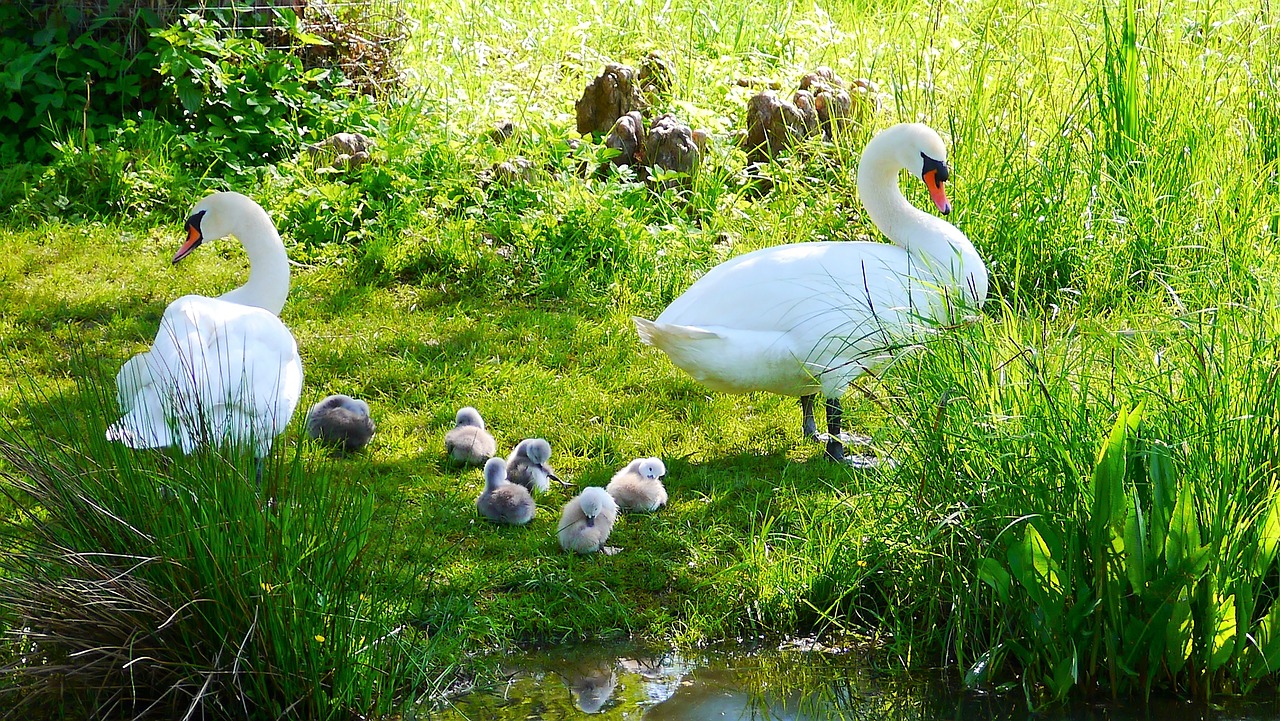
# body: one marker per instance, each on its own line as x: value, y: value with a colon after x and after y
x: 61, y: 78
x: 243, y: 102
x: 1138, y: 591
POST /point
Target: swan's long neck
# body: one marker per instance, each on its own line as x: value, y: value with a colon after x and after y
x: 928, y: 237
x: 268, y: 284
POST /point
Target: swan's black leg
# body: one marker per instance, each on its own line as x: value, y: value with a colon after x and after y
x: 835, y: 448
x: 810, y: 426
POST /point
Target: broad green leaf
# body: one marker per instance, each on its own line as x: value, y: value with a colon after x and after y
x: 1178, y: 634
x: 1032, y: 564
x: 1163, y: 495
x: 190, y: 96
x: 1222, y: 645
x: 1106, y: 519
x: 1268, y: 537
x: 1135, y: 546
x: 1267, y: 637
x: 307, y: 38
x: 977, y: 674
x: 993, y: 574
x: 1184, y: 531
x: 1065, y: 674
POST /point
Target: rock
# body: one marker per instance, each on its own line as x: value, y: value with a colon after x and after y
x: 839, y: 105
x: 867, y: 100
x: 673, y: 146
x: 516, y: 171
x: 823, y: 77
x: 610, y: 96
x: 502, y: 132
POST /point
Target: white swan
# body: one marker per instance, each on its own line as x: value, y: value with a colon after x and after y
x: 809, y: 318
x: 222, y: 370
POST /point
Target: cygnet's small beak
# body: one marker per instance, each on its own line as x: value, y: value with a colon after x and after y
x: 591, y: 521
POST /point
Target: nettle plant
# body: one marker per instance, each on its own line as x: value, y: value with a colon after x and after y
x: 241, y: 100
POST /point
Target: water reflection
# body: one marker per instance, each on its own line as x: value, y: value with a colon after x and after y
x: 761, y: 685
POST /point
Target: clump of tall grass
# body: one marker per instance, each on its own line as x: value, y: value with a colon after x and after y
x: 148, y: 583
x: 1007, y: 543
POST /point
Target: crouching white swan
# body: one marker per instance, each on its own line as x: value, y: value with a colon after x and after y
x: 809, y: 318
x: 225, y: 370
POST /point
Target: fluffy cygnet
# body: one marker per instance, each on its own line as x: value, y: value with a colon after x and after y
x: 527, y: 465
x: 469, y: 442
x: 638, y: 487
x: 503, y: 502
x: 341, y: 421
x: 587, y: 521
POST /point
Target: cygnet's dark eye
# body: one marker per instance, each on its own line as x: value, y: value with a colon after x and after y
x: 938, y: 166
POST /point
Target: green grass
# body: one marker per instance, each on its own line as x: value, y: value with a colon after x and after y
x: 1118, y: 172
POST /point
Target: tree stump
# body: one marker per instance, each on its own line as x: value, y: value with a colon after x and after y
x: 674, y: 146
x: 775, y: 125
x: 627, y: 137
x: 610, y: 96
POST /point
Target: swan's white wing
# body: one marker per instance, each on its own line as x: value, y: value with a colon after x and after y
x: 218, y: 369
x: 798, y: 318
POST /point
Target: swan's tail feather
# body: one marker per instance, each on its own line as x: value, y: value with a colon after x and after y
x: 126, y: 431
x: 656, y: 334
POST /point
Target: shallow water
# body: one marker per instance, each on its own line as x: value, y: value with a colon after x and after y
x: 765, y: 685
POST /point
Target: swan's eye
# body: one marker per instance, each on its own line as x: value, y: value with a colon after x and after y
x: 938, y: 166
x: 194, y: 236
x: 194, y: 221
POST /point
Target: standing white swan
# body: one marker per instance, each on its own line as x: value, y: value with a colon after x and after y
x: 225, y: 370
x: 809, y: 318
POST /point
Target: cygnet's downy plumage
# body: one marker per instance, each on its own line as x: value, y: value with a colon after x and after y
x: 341, y: 421
x: 527, y: 465
x: 469, y: 442
x: 502, y: 501
x: 638, y: 487
x: 587, y: 521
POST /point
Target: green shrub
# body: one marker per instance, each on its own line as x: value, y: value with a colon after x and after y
x: 64, y: 75
x: 242, y: 102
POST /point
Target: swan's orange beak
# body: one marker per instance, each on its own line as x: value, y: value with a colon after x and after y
x: 194, y: 236
x: 936, y: 192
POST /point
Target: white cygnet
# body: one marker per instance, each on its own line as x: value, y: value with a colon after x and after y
x: 527, y: 465
x: 504, y: 502
x: 638, y: 487
x: 469, y: 442
x: 341, y: 421
x: 587, y: 521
